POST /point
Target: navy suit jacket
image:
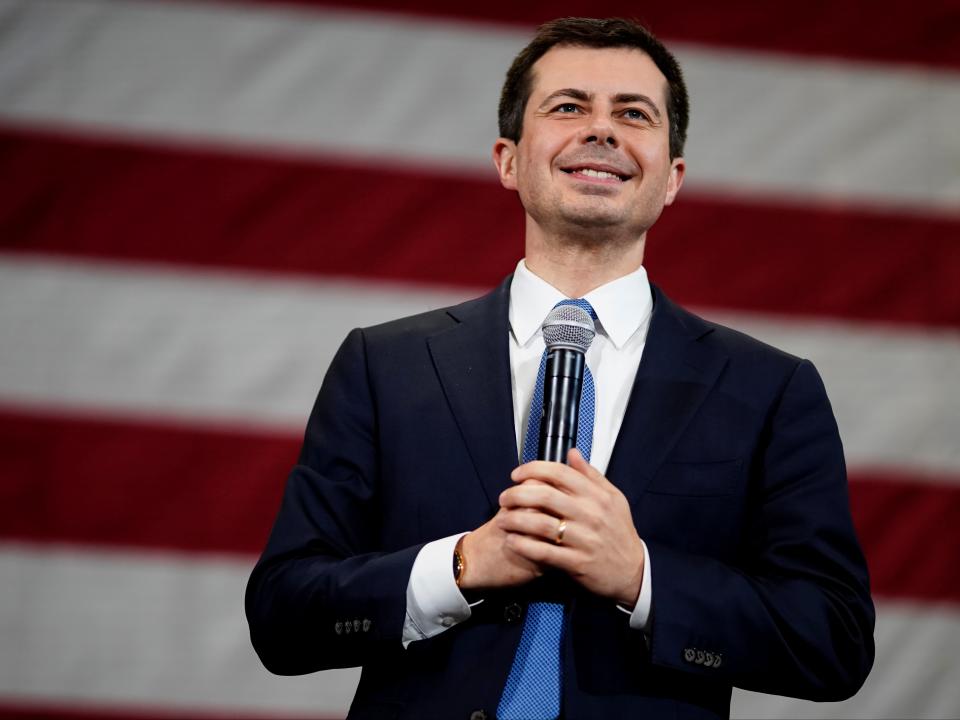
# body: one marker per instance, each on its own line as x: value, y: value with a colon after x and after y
x: 728, y: 454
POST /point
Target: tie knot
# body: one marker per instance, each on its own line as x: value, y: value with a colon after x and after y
x: 580, y: 303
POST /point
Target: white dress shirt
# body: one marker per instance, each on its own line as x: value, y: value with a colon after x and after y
x: 623, y: 308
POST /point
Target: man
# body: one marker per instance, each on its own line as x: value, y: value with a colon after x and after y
x: 707, y: 543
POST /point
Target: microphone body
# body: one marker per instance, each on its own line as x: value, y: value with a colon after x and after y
x: 567, y: 333
x: 562, y: 384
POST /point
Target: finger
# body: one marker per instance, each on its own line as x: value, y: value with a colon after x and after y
x: 559, y: 475
x: 577, y: 462
x: 539, y: 496
x: 542, y: 552
x: 546, y: 527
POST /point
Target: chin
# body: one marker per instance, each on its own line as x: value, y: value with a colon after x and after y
x: 595, y: 218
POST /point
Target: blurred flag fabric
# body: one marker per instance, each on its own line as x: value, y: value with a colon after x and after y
x: 199, y: 199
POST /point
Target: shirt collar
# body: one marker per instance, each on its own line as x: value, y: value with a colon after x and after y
x: 623, y: 305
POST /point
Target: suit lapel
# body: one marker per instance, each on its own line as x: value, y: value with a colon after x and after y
x: 472, y: 360
x: 676, y: 373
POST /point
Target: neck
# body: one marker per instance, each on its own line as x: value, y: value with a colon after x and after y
x: 575, y: 266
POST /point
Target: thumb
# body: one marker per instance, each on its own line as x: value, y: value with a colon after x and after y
x: 576, y: 461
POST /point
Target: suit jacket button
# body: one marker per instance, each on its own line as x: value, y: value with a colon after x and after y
x: 688, y: 654
x: 717, y: 659
x: 512, y: 613
x: 356, y: 626
x: 366, y: 624
x: 708, y: 659
x: 478, y: 715
x: 700, y: 658
x: 347, y: 627
x: 338, y: 627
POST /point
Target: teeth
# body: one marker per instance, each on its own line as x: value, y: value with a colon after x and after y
x: 590, y: 172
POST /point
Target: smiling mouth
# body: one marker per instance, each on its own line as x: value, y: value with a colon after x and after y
x: 595, y: 174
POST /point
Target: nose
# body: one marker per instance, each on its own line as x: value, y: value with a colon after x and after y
x: 600, y: 132
x: 601, y: 140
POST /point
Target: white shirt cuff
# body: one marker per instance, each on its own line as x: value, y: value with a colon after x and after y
x: 434, y: 602
x: 640, y: 615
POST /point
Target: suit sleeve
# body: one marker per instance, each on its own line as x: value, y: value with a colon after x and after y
x: 794, y: 615
x: 324, y: 593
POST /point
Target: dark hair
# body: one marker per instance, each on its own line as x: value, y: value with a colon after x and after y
x: 593, y: 33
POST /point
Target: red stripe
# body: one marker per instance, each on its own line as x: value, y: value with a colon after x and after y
x: 158, y: 486
x: 909, y: 527
x: 926, y: 32
x: 104, y: 199
x: 189, y: 489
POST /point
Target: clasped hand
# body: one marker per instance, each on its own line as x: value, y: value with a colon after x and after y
x: 599, y: 548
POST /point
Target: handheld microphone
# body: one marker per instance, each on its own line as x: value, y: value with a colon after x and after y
x: 567, y: 332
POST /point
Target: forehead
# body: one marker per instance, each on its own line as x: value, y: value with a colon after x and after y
x: 599, y: 71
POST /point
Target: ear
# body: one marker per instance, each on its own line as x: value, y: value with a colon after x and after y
x: 505, y: 160
x: 677, y: 169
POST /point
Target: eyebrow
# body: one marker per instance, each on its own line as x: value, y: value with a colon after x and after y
x: 627, y: 98
x: 618, y: 99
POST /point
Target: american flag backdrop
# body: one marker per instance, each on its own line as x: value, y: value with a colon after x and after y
x: 199, y: 199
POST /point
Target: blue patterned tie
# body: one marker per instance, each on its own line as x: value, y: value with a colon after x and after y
x: 533, y: 687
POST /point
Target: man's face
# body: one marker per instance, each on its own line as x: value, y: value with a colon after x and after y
x: 594, y: 152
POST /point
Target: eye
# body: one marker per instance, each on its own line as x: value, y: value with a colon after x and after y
x: 635, y: 114
x: 567, y: 108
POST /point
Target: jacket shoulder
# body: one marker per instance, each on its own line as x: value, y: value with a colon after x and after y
x: 489, y: 308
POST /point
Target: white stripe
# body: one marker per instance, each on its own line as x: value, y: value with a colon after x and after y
x: 422, y: 92
x: 168, y: 633
x: 181, y: 344
x: 142, y: 629
x: 252, y: 350
x: 820, y: 130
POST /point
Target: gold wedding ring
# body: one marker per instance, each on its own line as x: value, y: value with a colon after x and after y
x: 561, y: 529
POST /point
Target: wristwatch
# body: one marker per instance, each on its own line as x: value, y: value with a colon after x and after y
x: 459, y: 566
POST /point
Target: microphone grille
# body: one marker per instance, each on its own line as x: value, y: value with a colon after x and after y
x: 568, y: 326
